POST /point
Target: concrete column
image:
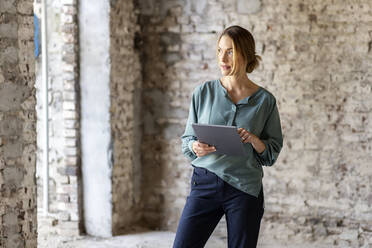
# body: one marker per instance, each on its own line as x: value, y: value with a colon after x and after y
x: 95, y: 118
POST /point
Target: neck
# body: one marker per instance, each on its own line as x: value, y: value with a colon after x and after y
x: 237, y: 82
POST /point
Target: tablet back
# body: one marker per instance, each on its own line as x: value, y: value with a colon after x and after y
x: 225, y: 138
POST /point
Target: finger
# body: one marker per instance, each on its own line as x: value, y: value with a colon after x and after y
x: 204, y: 153
x: 242, y: 133
x: 246, y: 138
x: 209, y: 149
x: 203, y: 145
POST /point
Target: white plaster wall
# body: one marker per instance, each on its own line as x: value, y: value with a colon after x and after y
x: 95, y: 119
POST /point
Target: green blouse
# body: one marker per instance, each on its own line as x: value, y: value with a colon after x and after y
x: 258, y: 114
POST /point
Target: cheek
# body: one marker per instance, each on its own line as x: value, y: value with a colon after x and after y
x: 240, y: 59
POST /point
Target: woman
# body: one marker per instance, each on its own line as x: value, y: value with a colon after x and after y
x: 230, y: 185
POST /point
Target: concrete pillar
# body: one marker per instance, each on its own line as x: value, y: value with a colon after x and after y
x: 95, y: 117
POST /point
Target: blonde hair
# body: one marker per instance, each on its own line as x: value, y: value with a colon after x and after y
x: 243, y: 43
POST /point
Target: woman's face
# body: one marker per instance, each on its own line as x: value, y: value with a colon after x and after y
x: 225, y: 55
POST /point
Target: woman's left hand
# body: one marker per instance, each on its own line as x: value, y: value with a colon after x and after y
x: 246, y: 136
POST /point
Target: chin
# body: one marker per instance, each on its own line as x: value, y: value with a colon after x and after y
x: 225, y: 73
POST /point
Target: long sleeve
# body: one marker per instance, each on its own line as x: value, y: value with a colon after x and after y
x: 189, y: 136
x: 272, y: 137
x: 211, y: 104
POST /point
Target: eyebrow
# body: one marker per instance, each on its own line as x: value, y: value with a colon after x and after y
x: 226, y: 49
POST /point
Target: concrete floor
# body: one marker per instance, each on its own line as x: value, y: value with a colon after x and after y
x: 49, y: 236
x: 156, y: 239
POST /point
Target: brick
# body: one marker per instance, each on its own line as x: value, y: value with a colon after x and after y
x: 8, y: 7
x: 67, y: 105
x: 67, y: 170
x: 74, y: 216
x: 62, y: 179
x: 68, y: 38
x: 69, y: 76
x: 248, y: 7
x: 73, y: 198
x: 187, y: 28
x: 64, y: 216
x: 69, y: 28
x: 69, y: 95
x: 66, y: 189
x: 68, y: 2
x: 9, y: 30
x: 68, y: 67
x: 70, y: 114
x: 66, y: 18
x: 70, y: 133
x: 68, y: 48
x: 69, y: 9
x: 183, y: 19
x: 70, y: 124
x: 71, y: 160
x: 70, y: 151
x: 25, y: 7
x: 69, y: 58
x: 63, y: 198
x: 68, y: 207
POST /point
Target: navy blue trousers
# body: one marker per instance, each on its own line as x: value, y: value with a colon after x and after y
x: 209, y: 199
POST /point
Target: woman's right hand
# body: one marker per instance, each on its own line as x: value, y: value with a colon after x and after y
x: 202, y: 149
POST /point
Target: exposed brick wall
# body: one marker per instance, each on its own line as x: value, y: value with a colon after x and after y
x: 18, y: 213
x: 316, y: 61
x: 70, y: 194
x: 65, y: 190
x: 65, y: 198
x: 125, y: 116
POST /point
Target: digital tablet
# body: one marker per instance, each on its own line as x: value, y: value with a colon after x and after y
x: 225, y: 138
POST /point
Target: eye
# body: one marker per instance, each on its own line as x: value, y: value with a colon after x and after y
x: 230, y: 52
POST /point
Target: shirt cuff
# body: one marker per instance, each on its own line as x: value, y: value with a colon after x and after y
x: 190, y: 146
x: 264, y: 153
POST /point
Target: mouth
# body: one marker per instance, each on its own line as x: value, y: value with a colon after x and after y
x: 225, y: 67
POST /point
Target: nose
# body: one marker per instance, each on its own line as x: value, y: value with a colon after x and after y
x: 223, y: 57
